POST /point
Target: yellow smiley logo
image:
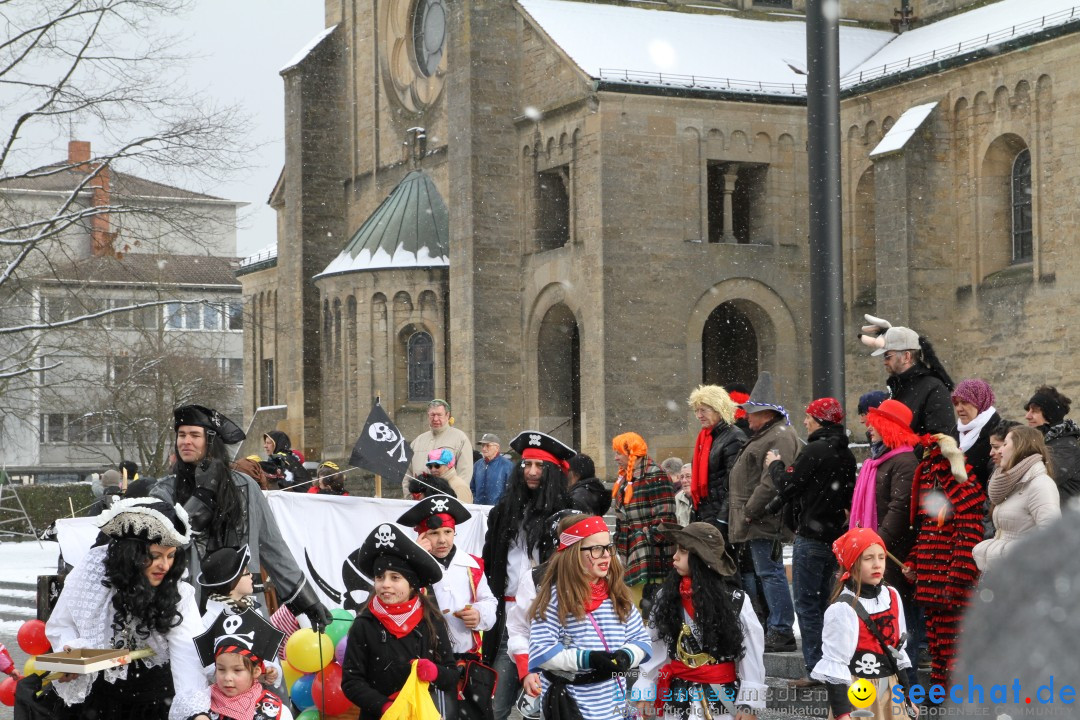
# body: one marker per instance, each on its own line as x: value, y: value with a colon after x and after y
x: 862, y: 693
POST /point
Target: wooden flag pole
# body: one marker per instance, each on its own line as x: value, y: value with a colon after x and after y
x: 378, y: 478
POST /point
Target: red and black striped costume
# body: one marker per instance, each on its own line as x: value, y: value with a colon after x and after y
x: 945, y: 571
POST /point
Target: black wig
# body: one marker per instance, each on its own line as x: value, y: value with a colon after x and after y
x: 715, y: 614
x: 151, y: 608
x: 529, y: 510
x: 228, y: 525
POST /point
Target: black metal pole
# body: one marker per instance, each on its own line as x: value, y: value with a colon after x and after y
x: 823, y: 151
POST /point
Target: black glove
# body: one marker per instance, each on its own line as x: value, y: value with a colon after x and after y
x: 319, y: 616
x: 306, y: 602
x: 618, y: 661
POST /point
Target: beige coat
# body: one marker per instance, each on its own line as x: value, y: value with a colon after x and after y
x: 1033, y: 504
x: 448, y: 437
x: 750, y: 486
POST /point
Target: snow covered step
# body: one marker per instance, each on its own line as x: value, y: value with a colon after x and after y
x: 17, y: 612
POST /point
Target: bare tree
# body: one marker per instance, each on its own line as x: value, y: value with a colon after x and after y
x: 103, y: 68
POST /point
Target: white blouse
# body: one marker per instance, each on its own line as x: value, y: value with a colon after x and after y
x: 840, y: 637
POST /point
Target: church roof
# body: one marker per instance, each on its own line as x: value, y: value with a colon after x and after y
x: 671, y: 49
x: 409, y: 229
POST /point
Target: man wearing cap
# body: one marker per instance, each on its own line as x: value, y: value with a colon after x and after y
x: 440, y: 463
x: 227, y: 508
x: 916, y: 376
x: 441, y: 433
x: 490, y: 474
x: 750, y: 490
x: 518, y: 540
x: 818, y: 489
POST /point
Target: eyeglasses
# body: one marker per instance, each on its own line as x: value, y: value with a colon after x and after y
x: 889, y: 355
x: 599, y: 551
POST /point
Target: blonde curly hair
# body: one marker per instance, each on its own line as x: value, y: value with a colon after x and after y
x: 715, y: 397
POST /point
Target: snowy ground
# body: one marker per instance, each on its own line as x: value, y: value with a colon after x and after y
x: 21, y: 562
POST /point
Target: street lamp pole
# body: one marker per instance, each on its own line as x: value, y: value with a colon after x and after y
x: 823, y: 158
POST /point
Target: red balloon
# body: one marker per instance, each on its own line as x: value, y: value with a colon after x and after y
x: 326, y: 691
x: 32, y: 638
x: 7, y: 691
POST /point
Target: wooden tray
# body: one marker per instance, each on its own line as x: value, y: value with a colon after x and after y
x: 83, y: 661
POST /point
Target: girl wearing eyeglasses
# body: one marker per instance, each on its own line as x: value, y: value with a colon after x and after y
x: 586, y: 634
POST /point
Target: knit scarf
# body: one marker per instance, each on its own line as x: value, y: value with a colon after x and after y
x: 239, y: 707
x: 599, y: 591
x: 686, y: 595
x: 398, y: 618
x: 970, y: 433
x: 699, y: 470
x: 1004, y: 482
x: 864, y: 499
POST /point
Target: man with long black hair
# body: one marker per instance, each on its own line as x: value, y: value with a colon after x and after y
x: 517, y: 540
x: 227, y: 508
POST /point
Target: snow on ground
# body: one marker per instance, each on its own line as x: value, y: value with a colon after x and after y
x: 23, y: 561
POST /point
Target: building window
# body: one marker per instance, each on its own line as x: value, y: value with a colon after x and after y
x: 553, y: 208
x: 54, y: 309
x: 203, y: 316
x: 1022, y: 250
x: 421, y: 353
x: 736, y: 202
x: 266, y: 384
x: 235, y: 308
x: 232, y: 370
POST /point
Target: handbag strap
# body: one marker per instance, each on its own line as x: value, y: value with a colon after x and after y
x: 596, y: 627
x: 875, y: 630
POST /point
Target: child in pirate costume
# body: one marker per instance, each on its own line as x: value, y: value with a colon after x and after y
x: 586, y: 633
x: 236, y: 645
x: 864, y: 630
x: 228, y: 582
x: 399, y: 626
x: 463, y: 594
x: 707, y: 641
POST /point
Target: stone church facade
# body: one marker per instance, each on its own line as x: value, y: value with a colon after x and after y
x: 613, y: 239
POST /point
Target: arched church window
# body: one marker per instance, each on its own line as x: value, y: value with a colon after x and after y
x: 421, y: 354
x: 1021, y: 207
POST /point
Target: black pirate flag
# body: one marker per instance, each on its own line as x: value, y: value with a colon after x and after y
x: 381, y: 448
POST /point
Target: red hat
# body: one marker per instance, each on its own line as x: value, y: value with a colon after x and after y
x: 826, y: 409
x: 892, y: 420
x: 849, y: 547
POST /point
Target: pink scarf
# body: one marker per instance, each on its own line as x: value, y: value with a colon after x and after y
x: 240, y: 707
x: 864, y: 499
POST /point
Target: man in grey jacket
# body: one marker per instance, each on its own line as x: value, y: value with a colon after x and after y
x: 228, y: 509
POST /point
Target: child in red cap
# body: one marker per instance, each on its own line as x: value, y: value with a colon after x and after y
x: 864, y: 631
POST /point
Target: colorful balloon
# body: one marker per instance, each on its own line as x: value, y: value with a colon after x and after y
x: 291, y: 673
x: 32, y: 638
x: 7, y: 692
x: 312, y: 713
x: 339, y: 626
x: 301, y: 692
x: 30, y: 667
x: 326, y: 691
x: 309, y: 652
x: 339, y: 651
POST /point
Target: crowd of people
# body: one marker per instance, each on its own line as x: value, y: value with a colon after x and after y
x: 562, y: 615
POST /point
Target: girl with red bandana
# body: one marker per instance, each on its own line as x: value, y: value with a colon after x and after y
x: 864, y: 631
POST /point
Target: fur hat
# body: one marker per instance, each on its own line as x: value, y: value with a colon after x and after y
x: 146, y: 518
x: 715, y: 397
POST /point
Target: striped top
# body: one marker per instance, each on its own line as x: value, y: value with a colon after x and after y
x: 562, y: 650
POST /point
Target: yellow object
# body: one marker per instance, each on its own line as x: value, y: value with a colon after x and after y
x: 862, y: 693
x: 309, y: 652
x: 413, y: 702
x: 291, y: 675
x: 30, y: 667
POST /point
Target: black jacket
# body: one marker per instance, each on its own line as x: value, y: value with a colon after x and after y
x: 377, y: 664
x: 927, y: 398
x: 727, y: 442
x: 819, y: 484
x: 590, y: 496
x: 1063, y: 440
x: 978, y: 455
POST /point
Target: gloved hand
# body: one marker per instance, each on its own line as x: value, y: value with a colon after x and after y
x: 604, y: 661
x: 319, y: 616
x: 622, y: 659
x: 306, y: 602
x: 426, y: 670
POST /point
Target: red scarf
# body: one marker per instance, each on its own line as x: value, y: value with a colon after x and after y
x: 699, y: 470
x: 599, y: 595
x: 686, y: 595
x: 240, y: 707
x: 398, y: 618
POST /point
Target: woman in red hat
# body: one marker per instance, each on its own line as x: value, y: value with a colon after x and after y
x: 864, y: 631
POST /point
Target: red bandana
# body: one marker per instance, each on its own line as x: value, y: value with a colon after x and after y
x: 532, y: 453
x: 581, y: 530
x: 447, y: 522
x: 599, y: 595
x: 686, y: 595
x: 850, y: 546
x: 241, y: 706
x: 398, y: 618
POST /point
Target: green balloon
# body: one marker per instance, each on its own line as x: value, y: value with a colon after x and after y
x: 312, y: 713
x: 339, y: 627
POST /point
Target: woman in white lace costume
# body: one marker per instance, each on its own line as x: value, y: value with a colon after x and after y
x: 128, y: 593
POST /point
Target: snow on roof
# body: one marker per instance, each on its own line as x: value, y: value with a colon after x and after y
x: 312, y: 44
x: 663, y: 47
x: 262, y: 255
x: 641, y: 45
x: 971, y: 30
x: 904, y: 128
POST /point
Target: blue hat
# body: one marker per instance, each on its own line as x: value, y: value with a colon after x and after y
x: 871, y: 399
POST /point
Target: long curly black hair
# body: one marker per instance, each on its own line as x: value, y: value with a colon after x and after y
x: 227, y: 526
x: 151, y: 608
x: 530, y: 509
x: 715, y: 614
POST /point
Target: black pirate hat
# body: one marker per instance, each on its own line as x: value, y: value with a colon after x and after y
x: 247, y: 633
x: 223, y: 566
x: 229, y: 432
x: 426, y: 513
x: 390, y: 547
x: 535, y: 445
